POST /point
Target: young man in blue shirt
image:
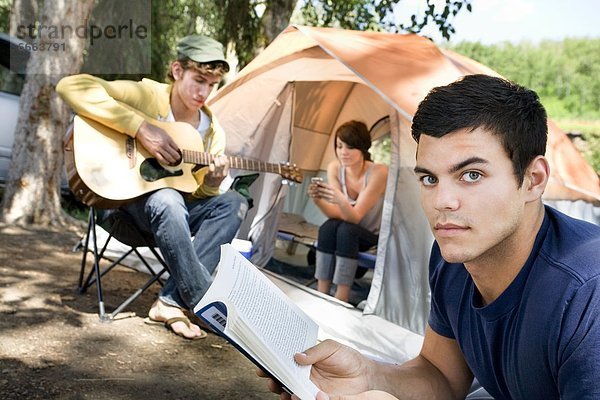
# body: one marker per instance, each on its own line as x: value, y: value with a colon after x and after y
x: 515, y: 285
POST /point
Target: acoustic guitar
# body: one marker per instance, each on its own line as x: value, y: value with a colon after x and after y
x: 107, y: 168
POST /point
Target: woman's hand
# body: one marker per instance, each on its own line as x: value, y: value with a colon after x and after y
x: 324, y: 191
x: 313, y: 190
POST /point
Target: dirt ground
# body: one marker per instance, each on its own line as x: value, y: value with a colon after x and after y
x: 53, y: 345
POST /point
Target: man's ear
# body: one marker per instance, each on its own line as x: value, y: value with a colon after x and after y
x: 177, y: 70
x: 536, y: 178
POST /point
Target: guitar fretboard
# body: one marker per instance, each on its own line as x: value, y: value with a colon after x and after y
x: 203, y: 158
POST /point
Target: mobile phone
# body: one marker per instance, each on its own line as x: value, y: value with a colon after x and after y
x: 316, y: 179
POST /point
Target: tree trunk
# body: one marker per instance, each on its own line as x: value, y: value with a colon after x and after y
x: 21, y: 11
x: 32, y: 194
x: 276, y: 18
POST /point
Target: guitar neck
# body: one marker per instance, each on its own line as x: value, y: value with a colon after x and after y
x: 203, y: 158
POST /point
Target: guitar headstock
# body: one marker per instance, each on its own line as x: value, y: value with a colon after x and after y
x: 291, y: 172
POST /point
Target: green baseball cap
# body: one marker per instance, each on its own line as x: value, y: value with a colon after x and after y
x: 201, y: 49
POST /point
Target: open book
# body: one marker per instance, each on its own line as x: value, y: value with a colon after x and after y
x: 254, y: 315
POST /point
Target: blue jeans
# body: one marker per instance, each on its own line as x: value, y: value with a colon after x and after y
x: 338, y: 246
x: 173, y: 221
x: 344, y: 239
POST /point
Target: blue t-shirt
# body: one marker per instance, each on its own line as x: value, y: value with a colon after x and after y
x: 540, y: 339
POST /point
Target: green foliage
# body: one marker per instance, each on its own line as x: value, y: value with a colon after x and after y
x: 4, y: 15
x: 592, y: 153
x: 381, y: 150
x: 565, y: 74
x: 351, y: 14
x: 591, y: 150
x: 379, y: 15
x: 171, y: 20
x: 240, y: 25
x: 241, y: 28
x: 232, y: 22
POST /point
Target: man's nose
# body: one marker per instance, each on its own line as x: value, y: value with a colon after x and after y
x: 204, y: 90
x: 445, y: 197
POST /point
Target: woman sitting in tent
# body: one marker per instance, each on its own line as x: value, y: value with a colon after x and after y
x: 352, y: 200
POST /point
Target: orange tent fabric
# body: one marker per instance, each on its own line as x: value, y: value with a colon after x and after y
x: 402, y: 69
x: 288, y: 101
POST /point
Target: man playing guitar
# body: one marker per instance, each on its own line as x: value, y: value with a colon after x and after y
x: 173, y: 217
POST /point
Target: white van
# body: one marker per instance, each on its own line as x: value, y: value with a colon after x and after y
x: 11, y: 84
x: 9, y: 111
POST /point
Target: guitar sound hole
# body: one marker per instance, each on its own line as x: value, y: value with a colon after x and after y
x: 151, y: 170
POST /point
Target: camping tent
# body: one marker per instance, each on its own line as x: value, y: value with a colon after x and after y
x: 286, y: 103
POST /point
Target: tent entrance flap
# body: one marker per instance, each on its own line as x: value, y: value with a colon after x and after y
x: 274, y: 133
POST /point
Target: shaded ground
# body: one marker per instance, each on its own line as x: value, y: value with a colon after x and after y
x: 53, y: 346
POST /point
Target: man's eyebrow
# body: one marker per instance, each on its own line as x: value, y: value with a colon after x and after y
x: 454, y: 168
x: 419, y: 170
x: 468, y: 161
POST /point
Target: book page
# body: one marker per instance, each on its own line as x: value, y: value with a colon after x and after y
x: 273, y: 319
x: 270, y: 315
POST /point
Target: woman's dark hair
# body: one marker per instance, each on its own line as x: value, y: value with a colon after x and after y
x: 356, y: 135
x: 508, y: 110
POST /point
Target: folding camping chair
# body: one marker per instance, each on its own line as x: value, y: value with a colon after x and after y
x: 120, y: 226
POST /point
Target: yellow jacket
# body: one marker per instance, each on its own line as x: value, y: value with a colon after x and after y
x: 100, y: 100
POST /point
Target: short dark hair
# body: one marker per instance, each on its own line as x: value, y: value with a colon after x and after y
x: 504, y: 108
x: 356, y: 135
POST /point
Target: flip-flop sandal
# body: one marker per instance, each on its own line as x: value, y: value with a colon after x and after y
x: 150, y: 321
x: 168, y: 324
